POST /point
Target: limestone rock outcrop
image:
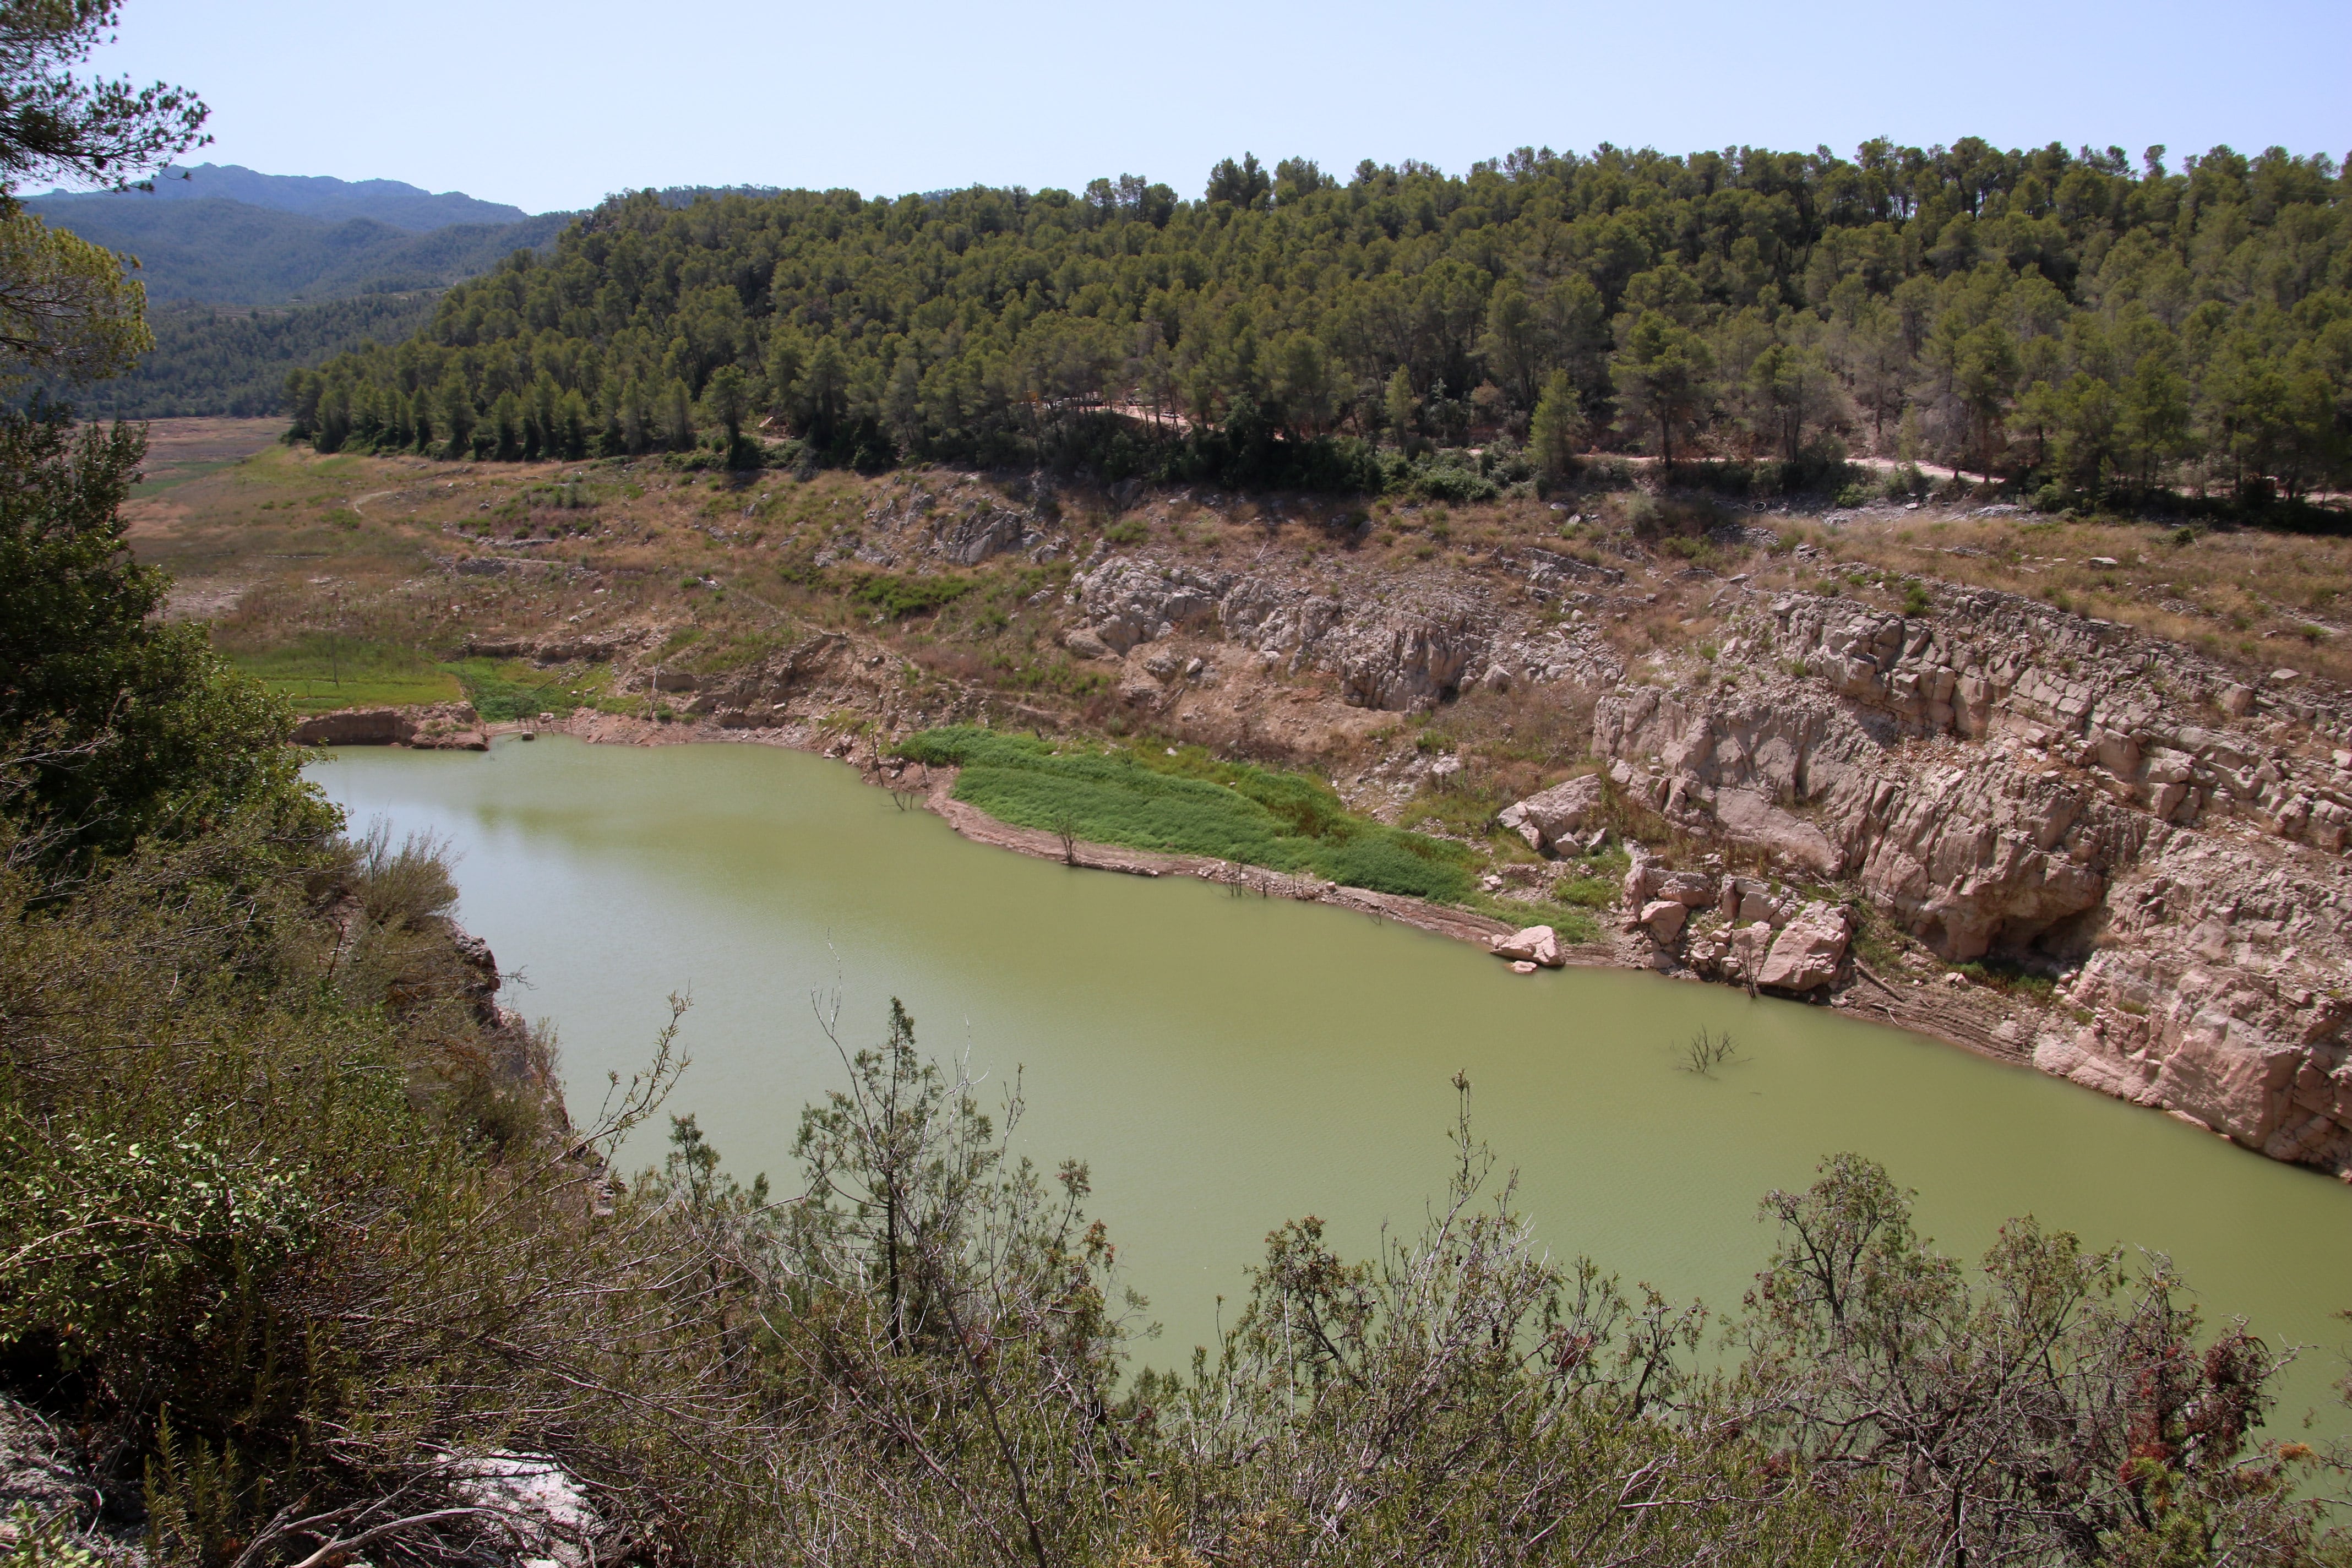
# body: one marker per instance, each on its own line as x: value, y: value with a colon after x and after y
x: 2005, y: 781
x: 1547, y: 819
x: 820, y: 673
x: 443, y: 727
x: 1397, y: 649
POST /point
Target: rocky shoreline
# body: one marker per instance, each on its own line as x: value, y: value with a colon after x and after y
x: 2051, y: 840
x: 1974, y: 1020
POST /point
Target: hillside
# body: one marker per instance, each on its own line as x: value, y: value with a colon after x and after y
x: 380, y: 200
x: 223, y: 252
x: 2067, y: 789
x: 251, y: 276
x: 232, y: 360
x: 2064, y: 320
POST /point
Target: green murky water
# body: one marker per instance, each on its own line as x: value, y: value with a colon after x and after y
x: 1225, y: 1064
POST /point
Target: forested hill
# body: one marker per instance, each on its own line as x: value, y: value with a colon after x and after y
x: 392, y: 202
x: 229, y: 253
x: 233, y: 359
x: 2076, y: 314
x: 329, y: 263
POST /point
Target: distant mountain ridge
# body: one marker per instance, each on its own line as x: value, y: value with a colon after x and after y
x: 390, y: 202
x: 230, y: 253
x: 249, y: 275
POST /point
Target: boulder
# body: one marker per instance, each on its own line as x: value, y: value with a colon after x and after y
x: 1692, y: 889
x: 1746, y: 900
x: 1808, y: 952
x: 1664, y: 918
x: 1642, y: 877
x: 544, y: 1511
x: 1751, y: 944
x: 1547, y: 820
x: 1536, y: 944
x: 1522, y: 966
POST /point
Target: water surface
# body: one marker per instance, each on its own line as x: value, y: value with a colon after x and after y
x: 1223, y: 1064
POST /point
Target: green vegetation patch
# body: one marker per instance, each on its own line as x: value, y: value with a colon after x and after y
x: 503, y: 690
x: 1192, y: 803
x: 319, y: 675
x: 898, y: 596
x: 1573, y: 923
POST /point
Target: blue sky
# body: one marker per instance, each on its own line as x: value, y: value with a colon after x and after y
x: 552, y: 105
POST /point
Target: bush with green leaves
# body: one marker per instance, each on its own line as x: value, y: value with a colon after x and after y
x: 114, y: 722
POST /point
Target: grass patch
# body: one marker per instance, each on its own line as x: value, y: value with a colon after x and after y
x: 1192, y: 803
x: 503, y: 690
x: 1571, y: 922
x: 1462, y: 812
x: 897, y: 596
x: 319, y: 675
x: 1592, y: 892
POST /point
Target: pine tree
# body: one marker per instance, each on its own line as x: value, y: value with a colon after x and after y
x: 1557, y: 431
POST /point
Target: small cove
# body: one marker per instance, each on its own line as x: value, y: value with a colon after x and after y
x: 1223, y: 1064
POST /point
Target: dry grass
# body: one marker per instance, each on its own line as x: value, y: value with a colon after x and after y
x: 353, y: 546
x: 2252, y: 599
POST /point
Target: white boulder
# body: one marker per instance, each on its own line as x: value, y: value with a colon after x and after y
x: 1545, y: 819
x: 1808, y: 951
x: 1537, y: 944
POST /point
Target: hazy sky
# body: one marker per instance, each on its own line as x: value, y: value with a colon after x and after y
x: 550, y: 105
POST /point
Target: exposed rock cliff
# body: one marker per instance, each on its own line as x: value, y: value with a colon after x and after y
x: 444, y: 727
x: 1996, y: 777
x: 1393, y: 647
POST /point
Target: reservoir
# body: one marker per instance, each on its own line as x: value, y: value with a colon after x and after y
x: 1224, y: 1063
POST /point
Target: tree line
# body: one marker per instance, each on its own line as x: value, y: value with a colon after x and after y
x: 2072, y: 318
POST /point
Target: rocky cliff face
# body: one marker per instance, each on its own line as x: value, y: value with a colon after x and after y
x: 1999, y: 778
x: 1388, y: 645
x: 443, y: 727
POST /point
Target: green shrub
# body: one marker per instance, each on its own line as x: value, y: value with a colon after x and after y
x: 897, y: 596
x: 504, y: 691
